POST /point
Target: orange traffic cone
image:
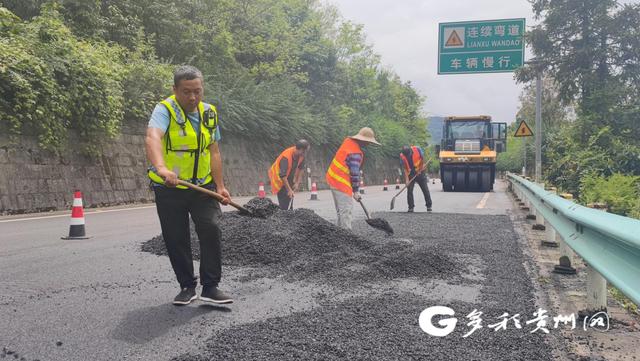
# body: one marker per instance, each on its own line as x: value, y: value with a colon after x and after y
x: 386, y: 185
x: 76, y: 227
x: 397, y: 183
x: 261, y: 193
x: 314, y: 192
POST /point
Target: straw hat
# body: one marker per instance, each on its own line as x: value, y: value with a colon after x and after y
x: 366, y: 135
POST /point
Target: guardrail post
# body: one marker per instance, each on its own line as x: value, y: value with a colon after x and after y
x: 596, y: 284
x: 539, y: 225
x: 550, y: 231
x: 565, y: 263
x: 596, y: 291
x: 532, y: 210
x: 524, y: 202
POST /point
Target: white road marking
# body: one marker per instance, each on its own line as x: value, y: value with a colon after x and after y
x: 483, y: 201
x: 69, y: 214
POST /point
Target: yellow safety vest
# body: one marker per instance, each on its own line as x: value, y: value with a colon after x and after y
x: 185, y: 153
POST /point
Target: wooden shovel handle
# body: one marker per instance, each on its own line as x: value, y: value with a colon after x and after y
x: 213, y: 194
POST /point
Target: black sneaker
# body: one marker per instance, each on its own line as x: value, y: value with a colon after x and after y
x: 214, y: 295
x: 429, y: 209
x: 410, y: 210
x: 185, y: 296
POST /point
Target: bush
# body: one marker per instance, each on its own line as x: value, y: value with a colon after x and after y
x: 52, y: 81
x: 620, y: 192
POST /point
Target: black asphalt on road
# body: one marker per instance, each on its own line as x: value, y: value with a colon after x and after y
x: 103, y: 299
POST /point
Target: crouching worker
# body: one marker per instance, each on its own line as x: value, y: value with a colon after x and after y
x: 286, y: 172
x: 182, y: 144
x: 343, y: 175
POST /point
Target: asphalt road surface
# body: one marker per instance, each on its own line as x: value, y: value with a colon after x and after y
x: 104, y: 299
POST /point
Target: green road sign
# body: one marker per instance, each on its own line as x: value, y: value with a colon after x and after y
x: 489, y: 46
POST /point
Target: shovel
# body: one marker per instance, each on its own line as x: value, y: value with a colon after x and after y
x: 393, y: 200
x: 217, y: 196
x: 377, y: 222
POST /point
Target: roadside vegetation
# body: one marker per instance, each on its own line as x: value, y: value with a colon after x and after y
x: 278, y: 70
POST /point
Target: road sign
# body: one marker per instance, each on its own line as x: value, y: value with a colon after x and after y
x: 523, y: 130
x: 487, y: 46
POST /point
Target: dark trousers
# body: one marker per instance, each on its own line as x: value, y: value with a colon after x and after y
x: 174, y: 206
x: 422, y: 182
x: 283, y: 199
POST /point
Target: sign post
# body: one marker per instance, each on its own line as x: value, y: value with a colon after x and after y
x: 488, y: 46
x: 538, y: 139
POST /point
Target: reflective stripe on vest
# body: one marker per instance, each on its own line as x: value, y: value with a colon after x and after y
x: 338, y: 175
x: 417, y: 160
x: 274, y: 171
x: 182, y: 145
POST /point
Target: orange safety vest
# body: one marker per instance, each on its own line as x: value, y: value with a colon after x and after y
x: 338, y: 175
x: 417, y: 160
x: 274, y: 171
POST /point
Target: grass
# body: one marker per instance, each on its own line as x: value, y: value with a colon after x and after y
x: 623, y: 300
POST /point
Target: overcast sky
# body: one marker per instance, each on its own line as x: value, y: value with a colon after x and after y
x: 405, y: 34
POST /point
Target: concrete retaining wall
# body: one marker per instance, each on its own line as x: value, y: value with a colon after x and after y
x: 34, y: 180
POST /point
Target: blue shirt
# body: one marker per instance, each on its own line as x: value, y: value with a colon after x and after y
x: 160, y: 119
x: 354, y: 161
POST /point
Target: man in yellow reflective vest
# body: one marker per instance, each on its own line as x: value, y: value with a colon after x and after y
x: 285, y: 173
x: 182, y: 143
x: 343, y: 175
x: 412, y: 159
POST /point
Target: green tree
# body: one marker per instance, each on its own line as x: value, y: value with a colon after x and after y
x: 589, y: 50
x: 277, y: 70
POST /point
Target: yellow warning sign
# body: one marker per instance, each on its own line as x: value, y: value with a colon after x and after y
x: 454, y: 40
x: 523, y: 130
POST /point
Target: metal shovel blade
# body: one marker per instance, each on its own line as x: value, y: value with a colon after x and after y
x: 380, y: 224
x: 376, y: 222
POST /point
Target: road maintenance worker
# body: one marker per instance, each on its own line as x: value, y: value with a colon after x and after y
x: 286, y: 172
x: 182, y: 144
x: 412, y: 159
x: 343, y: 175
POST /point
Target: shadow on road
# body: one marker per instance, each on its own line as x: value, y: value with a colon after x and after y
x: 143, y: 325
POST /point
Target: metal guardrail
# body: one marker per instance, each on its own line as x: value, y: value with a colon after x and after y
x: 609, y: 243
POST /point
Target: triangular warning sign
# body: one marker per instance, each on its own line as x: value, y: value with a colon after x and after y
x: 454, y: 40
x: 523, y: 130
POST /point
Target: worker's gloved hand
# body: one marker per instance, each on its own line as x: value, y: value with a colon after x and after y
x: 290, y: 194
x: 357, y: 196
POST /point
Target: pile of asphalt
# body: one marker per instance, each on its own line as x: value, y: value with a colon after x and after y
x: 261, y: 207
x: 301, y: 245
x: 385, y: 326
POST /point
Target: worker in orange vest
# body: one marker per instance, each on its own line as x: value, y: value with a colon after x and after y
x: 343, y: 175
x: 284, y: 180
x: 412, y: 159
